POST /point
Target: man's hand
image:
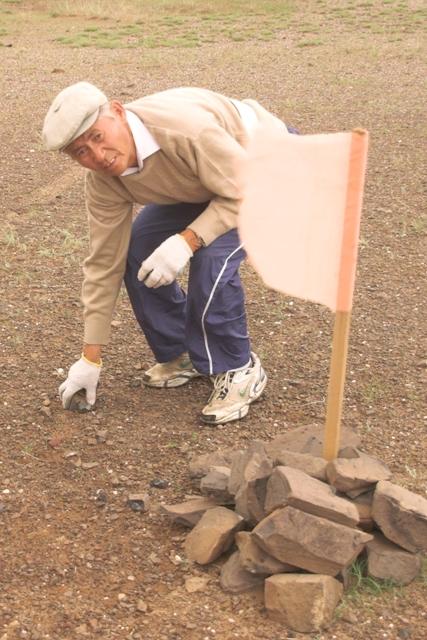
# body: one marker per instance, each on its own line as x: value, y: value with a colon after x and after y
x: 83, y: 374
x: 166, y: 262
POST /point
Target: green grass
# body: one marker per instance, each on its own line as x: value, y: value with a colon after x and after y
x: 310, y: 43
x: 170, y: 23
x: 362, y: 583
x: 10, y: 238
x: 363, y: 586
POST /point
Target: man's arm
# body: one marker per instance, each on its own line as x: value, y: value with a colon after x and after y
x: 218, y: 158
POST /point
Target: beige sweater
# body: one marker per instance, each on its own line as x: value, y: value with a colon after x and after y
x: 201, y: 139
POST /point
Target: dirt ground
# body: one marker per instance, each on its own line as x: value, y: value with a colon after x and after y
x: 75, y: 560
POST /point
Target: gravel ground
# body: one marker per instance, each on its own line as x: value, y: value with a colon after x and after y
x: 72, y: 565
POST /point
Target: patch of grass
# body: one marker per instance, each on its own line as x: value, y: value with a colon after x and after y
x: 9, y: 237
x: 362, y: 586
x: 372, y: 391
x: 310, y: 43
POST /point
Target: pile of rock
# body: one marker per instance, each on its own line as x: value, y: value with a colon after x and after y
x: 298, y: 522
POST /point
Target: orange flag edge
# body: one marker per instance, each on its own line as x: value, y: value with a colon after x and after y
x: 353, y: 210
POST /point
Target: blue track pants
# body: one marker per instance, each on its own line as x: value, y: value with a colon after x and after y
x: 209, y: 320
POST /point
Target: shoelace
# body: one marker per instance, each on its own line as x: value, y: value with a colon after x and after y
x: 222, y: 385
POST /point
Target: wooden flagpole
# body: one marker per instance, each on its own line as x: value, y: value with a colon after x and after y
x: 336, y: 384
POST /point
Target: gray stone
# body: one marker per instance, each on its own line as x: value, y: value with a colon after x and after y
x: 212, y: 535
x: 79, y: 403
x: 401, y: 515
x: 256, y: 560
x: 309, y: 439
x: 251, y: 494
x: 188, y: 513
x: 313, y: 466
x: 349, y: 452
x: 201, y: 465
x: 243, y: 459
x: 309, y: 542
x: 349, y: 474
x: 387, y: 561
x: 363, y: 504
x: 215, y: 483
x: 304, y: 603
x: 288, y: 486
x: 234, y: 577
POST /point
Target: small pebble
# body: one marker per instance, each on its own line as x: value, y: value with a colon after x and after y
x: 158, y: 483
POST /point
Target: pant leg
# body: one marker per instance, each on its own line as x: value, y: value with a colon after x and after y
x: 160, y: 312
x: 216, y: 329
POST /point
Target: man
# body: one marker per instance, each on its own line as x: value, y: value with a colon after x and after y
x: 176, y: 152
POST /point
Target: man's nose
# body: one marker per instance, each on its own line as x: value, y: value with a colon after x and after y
x: 98, y: 153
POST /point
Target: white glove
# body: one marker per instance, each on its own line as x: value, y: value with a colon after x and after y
x: 166, y: 262
x: 83, y: 374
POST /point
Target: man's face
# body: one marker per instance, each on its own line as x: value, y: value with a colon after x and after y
x: 107, y: 146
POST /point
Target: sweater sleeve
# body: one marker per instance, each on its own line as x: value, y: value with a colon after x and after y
x: 110, y: 222
x: 218, y: 157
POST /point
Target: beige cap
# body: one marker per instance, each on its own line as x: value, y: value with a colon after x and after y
x: 72, y: 112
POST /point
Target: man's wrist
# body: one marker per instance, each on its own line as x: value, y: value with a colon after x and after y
x: 194, y: 241
x: 92, y: 353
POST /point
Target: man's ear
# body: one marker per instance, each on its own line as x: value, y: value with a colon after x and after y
x: 118, y: 109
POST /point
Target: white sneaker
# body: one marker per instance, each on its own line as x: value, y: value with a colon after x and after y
x: 171, y: 374
x: 234, y: 391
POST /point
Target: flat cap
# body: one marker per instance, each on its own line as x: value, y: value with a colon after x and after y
x: 72, y: 112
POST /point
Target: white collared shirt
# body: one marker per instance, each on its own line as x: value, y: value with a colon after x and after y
x: 144, y: 142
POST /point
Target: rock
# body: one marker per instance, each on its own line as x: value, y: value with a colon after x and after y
x: 363, y: 504
x: 215, y: 483
x: 309, y: 542
x: 89, y: 465
x: 188, y: 513
x: 234, y: 577
x: 309, y: 439
x: 46, y: 411
x: 212, y: 535
x: 401, y: 515
x: 288, y: 486
x: 159, y: 483
x: 348, y: 474
x: 311, y: 465
x: 138, y: 501
x: 357, y: 493
x: 256, y: 560
x: 349, y: 616
x: 250, y: 496
x: 250, y: 500
x: 101, y: 498
x: 305, y: 603
x: 101, y: 436
x: 349, y: 452
x: 238, y: 475
x: 200, y: 465
x: 79, y: 403
x: 387, y: 561
x: 196, y: 583
x: 141, y: 606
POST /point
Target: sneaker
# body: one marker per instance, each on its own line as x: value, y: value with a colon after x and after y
x: 171, y: 374
x: 234, y: 391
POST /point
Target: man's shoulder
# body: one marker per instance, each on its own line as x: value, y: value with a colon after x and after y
x: 183, y: 110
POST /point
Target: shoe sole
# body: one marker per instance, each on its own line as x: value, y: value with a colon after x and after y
x: 243, y: 411
x: 178, y: 381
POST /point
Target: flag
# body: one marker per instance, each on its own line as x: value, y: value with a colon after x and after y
x: 300, y: 213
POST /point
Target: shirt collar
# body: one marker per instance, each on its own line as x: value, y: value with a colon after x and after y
x: 144, y: 142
